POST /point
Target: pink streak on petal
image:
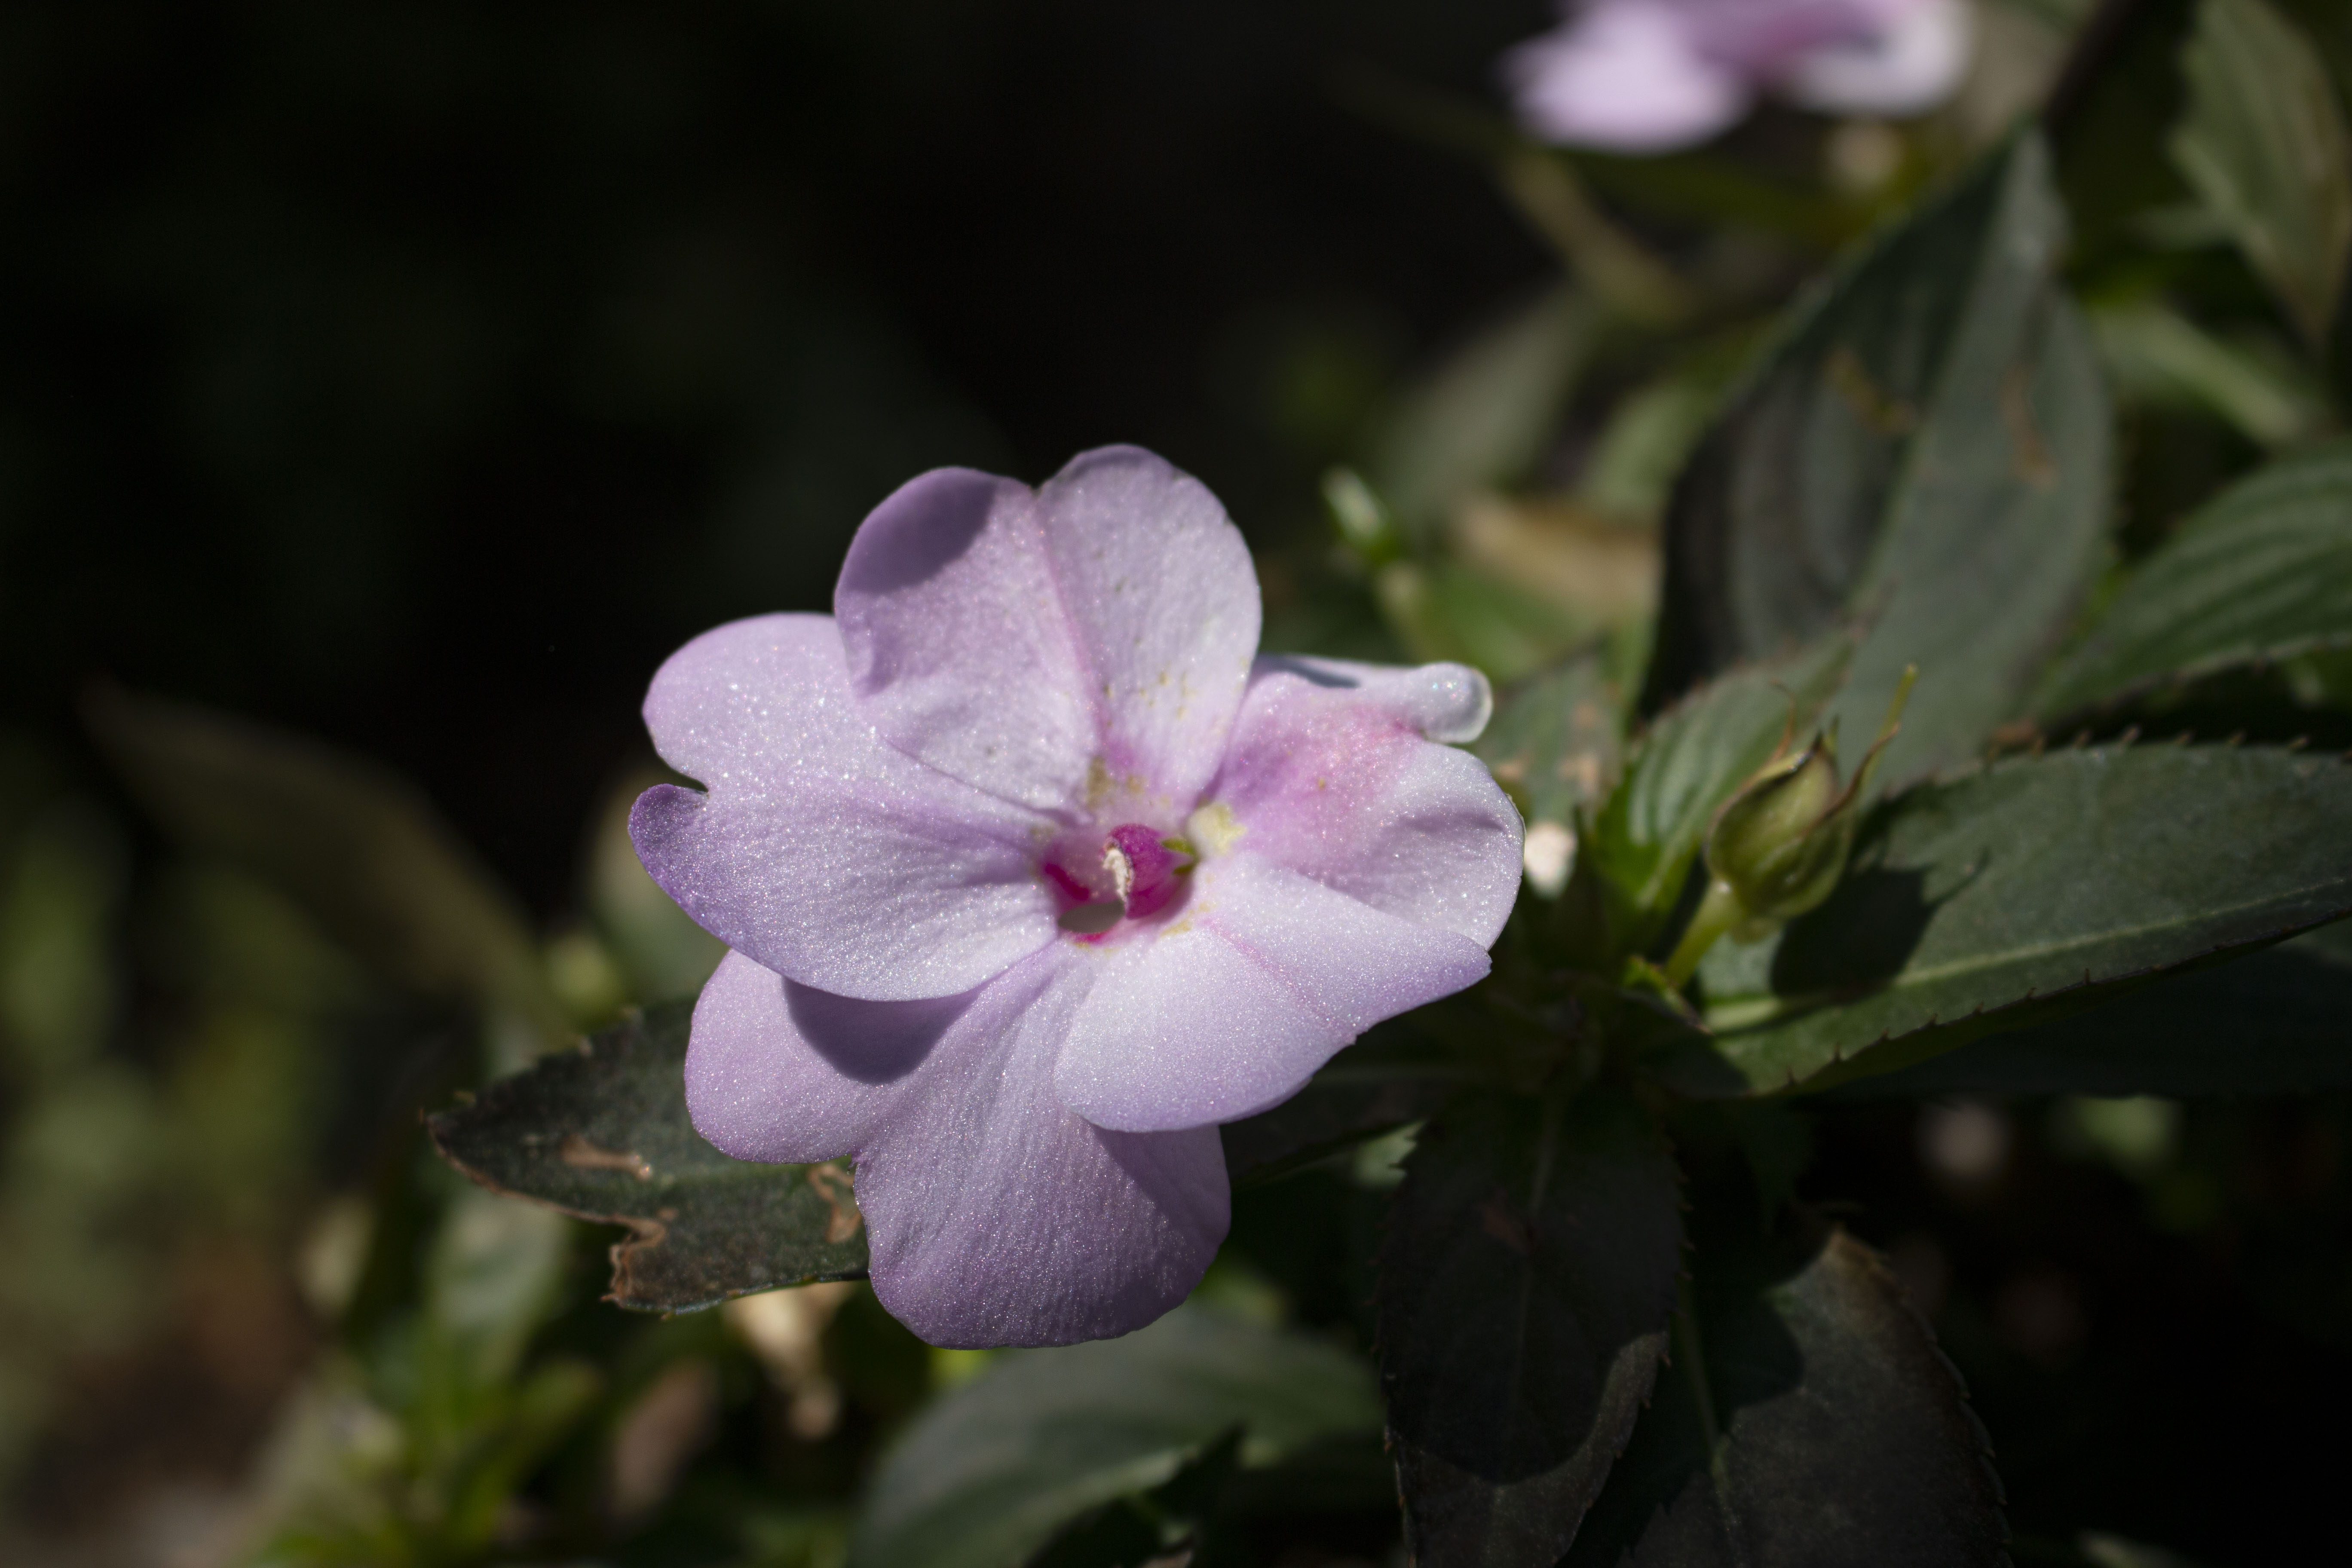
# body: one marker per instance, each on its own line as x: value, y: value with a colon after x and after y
x: 1073, y: 891
x: 1229, y: 1010
x: 1014, y: 640
x: 1627, y: 75
x: 818, y: 851
x: 1334, y: 780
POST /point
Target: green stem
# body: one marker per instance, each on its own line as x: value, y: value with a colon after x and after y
x: 1693, y: 1359
x: 1717, y: 913
x: 1548, y: 195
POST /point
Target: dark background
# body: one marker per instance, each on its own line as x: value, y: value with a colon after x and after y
x: 418, y: 375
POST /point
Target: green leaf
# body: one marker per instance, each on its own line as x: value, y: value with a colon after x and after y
x: 1556, y: 741
x: 1525, y: 1289
x: 1221, y: 1513
x: 1450, y: 610
x: 991, y: 1471
x: 601, y: 1132
x: 357, y: 848
x: 1691, y: 760
x: 1649, y: 438
x: 1808, y: 1418
x: 2029, y: 891
x: 494, y: 1455
x: 1394, y: 1075
x: 1925, y: 447
x: 1147, y: 1529
x: 491, y: 1278
x: 2270, y: 1023
x: 1482, y: 416
x: 2263, y: 145
x: 2157, y: 355
x: 2261, y: 572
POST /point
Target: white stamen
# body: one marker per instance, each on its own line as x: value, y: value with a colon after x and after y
x: 1121, y: 870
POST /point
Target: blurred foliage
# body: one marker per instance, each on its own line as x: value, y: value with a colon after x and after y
x: 414, y: 376
x: 2263, y: 146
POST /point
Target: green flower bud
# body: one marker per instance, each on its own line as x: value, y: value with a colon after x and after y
x: 1777, y: 848
x: 1781, y: 842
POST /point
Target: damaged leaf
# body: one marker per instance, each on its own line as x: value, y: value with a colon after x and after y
x: 601, y: 1132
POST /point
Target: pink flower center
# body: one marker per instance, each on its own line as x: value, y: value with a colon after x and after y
x: 1145, y: 871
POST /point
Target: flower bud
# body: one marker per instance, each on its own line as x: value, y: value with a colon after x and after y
x: 1782, y: 842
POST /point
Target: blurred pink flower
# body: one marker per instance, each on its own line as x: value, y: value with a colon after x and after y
x: 1034, y: 874
x: 1645, y: 76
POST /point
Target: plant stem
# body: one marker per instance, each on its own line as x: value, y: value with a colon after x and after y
x: 1693, y: 1358
x: 1717, y: 913
x: 1552, y: 199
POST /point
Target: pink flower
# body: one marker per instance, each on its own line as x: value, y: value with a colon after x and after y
x: 1034, y: 874
x: 1645, y: 76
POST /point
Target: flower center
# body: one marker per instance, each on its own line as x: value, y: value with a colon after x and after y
x: 1146, y: 871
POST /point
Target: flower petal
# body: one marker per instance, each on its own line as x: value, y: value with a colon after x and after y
x: 1230, y: 1009
x: 1447, y: 703
x: 1335, y: 782
x: 1626, y: 75
x: 818, y: 851
x: 1047, y: 647
x: 777, y: 1071
x: 1910, y: 62
x: 958, y: 650
x: 998, y: 1217
x: 994, y: 1215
